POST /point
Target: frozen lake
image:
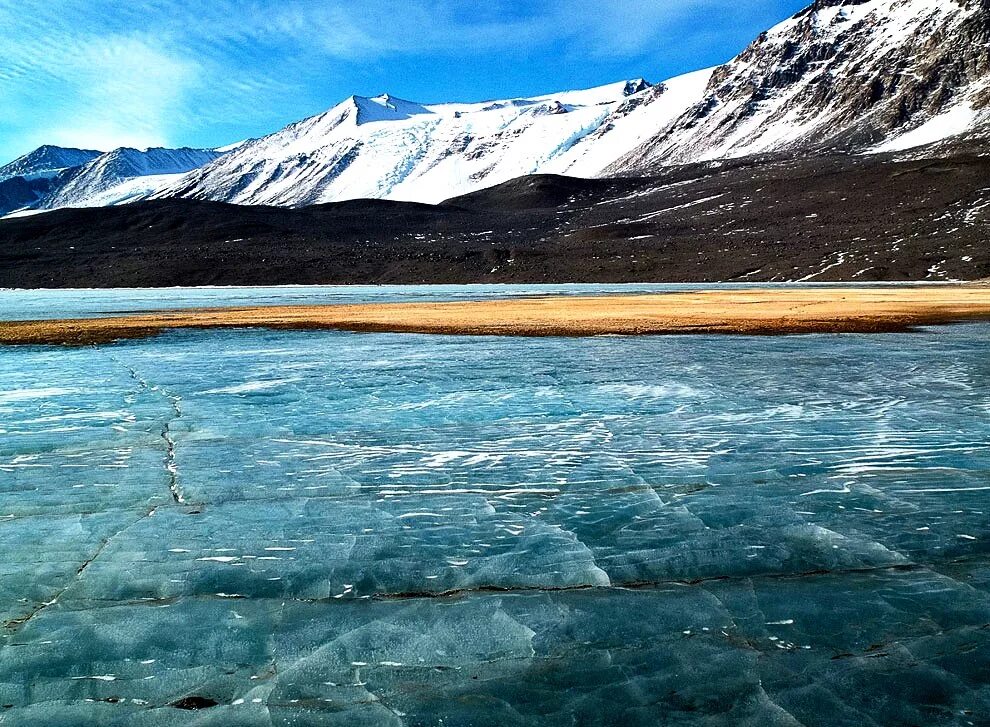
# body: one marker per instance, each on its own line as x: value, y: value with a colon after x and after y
x: 321, y: 528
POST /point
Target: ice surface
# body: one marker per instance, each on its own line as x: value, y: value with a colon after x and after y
x: 387, y: 529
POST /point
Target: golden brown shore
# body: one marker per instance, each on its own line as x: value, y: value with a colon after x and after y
x: 751, y: 311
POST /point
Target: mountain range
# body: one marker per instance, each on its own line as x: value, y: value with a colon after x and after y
x: 851, y: 76
x: 846, y: 143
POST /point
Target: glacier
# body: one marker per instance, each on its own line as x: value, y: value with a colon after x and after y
x: 308, y: 528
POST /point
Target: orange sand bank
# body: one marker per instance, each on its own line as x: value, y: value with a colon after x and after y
x: 750, y: 311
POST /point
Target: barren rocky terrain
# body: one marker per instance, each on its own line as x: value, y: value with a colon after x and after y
x: 837, y: 218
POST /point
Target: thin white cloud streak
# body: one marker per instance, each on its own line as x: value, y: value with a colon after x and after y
x: 379, y: 28
x: 128, y: 93
x: 102, y: 92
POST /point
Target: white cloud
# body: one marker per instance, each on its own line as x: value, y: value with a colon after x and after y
x: 125, y: 93
x: 72, y: 73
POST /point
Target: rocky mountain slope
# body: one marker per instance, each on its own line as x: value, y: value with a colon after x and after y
x: 842, y: 75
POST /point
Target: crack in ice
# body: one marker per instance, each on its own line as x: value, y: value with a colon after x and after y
x: 16, y: 623
x: 175, y: 404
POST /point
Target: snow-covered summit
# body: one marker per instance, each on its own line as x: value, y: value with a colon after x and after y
x: 385, y: 108
x: 393, y: 148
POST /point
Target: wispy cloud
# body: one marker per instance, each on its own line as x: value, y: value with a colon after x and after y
x: 125, y: 91
x: 66, y: 78
x: 380, y: 28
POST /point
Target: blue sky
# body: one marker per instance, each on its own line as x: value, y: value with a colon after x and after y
x: 106, y: 73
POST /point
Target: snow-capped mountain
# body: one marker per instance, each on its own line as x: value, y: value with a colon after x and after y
x: 53, y: 177
x: 842, y: 75
x: 46, y: 161
x: 125, y: 175
x: 27, y: 180
x: 849, y: 75
x: 392, y: 148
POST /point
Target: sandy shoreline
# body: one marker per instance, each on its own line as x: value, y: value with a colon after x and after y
x: 750, y: 311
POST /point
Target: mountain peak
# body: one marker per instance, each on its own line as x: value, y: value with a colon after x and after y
x: 387, y: 100
x: 636, y: 85
x: 386, y: 107
x: 47, y: 160
x: 52, y: 149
